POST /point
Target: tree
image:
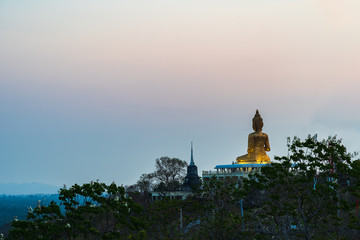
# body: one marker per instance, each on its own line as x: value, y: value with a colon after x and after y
x: 169, y: 173
x: 162, y: 219
x: 354, y: 190
x: 145, y: 183
x: 219, y: 211
x: 303, y: 196
x: 174, y: 218
x: 168, y: 176
x: 141, y: 191
x: 92, y: 211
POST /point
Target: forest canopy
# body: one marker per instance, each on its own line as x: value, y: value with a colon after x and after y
x: 311, y: 193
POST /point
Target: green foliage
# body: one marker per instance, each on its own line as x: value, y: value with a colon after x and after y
x: 305, y: 194
x: 92, y: 211
x: 218, y: 211
x: 17, y: 205
x: 311, y: 193
x: 355, y: 177
x: 163, y: 219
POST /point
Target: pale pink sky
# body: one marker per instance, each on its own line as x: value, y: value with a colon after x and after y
x: 118, y: 83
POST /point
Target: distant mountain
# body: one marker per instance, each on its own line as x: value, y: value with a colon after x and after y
x: 27, y: 188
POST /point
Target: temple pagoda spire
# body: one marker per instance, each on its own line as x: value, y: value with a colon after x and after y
x: 192, y: 155
x: 192, y: 178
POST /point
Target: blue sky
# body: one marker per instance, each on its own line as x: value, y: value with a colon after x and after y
x: 98, y: 90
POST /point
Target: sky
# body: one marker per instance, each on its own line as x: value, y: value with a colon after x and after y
x: 100, y: 89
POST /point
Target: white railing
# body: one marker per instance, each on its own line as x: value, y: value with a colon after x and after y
x: 204, y: 173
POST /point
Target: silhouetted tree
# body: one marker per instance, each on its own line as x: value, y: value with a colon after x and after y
x: 169, y: 173
x: 168, y: 176
x: 92, y: 211
x: 303, y: 196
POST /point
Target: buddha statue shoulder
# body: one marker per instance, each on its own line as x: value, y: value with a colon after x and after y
x: 258, y: 144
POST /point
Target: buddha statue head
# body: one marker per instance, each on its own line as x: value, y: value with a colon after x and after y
x: 257, y: 122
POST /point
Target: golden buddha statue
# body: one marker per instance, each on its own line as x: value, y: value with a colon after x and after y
x: 258, y: 144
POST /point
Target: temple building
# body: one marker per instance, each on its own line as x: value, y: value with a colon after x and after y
x: 192, y: 178
x: 254, y: 160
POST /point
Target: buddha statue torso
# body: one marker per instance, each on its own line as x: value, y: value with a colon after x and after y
x: 258, y: 144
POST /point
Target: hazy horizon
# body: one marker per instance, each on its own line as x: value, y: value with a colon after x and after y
x: 28, y: 188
